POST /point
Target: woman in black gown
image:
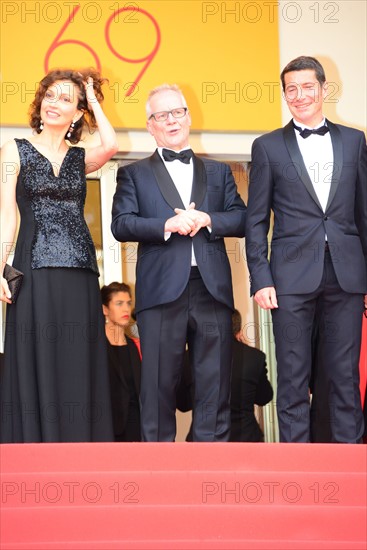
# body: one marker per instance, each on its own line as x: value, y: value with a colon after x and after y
x: 124, y: 362
x: 54, y: 385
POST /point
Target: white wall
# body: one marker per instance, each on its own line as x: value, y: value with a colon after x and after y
x: 336, y: 34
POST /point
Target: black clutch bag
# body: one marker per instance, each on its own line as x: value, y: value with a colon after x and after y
x: 14, y: 278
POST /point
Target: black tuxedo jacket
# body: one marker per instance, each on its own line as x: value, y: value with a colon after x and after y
x: 146, y: 197
x: 279, y: 181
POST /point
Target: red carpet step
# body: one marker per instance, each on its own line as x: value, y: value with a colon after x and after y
x: 166, y: 496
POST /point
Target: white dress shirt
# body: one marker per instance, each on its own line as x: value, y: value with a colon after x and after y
x: 182, y: 176
x: 317, y: 153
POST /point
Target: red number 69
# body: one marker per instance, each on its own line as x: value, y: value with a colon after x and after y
x: 148, y: 58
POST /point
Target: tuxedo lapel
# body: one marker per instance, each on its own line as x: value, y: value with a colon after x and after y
x: 337, y: 144
x: 165, y: 183
x: 297, y: 159
x: 199, y: 182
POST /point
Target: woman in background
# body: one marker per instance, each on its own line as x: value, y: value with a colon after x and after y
x: 124, y: 362
x: 55, y: 385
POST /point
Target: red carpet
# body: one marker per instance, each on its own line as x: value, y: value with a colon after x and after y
x: 183, y: 496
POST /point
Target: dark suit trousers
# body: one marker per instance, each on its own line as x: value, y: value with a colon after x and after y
x: 340, y: 325
x: 205, y: 324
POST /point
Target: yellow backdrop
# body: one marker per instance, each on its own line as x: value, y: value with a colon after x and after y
x: 224, y: 55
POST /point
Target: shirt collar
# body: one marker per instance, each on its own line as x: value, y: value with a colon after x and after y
x: 302, y: 126
x: 159, y: 149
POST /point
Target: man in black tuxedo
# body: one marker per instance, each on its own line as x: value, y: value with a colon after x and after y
x: 312, y: 175
x: 179, y: 208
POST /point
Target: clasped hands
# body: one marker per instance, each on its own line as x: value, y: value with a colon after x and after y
x: 187, y: 222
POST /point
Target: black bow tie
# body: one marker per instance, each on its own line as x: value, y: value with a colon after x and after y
x: 184, y: 156
x: 305, y: 133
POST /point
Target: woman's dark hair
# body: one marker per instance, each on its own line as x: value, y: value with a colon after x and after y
x: 304, y: 63
x: 108, y: 291
x: 78, y: 78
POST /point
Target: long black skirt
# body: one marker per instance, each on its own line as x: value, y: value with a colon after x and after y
x: 54, y: 382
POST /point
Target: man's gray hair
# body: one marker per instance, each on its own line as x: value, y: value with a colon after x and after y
x: 162, y: 88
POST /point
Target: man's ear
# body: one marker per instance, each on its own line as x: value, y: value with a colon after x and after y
x: 149, y: 127
x: 189, y: 117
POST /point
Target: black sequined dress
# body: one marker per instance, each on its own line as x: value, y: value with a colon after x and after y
x: 54, y: 384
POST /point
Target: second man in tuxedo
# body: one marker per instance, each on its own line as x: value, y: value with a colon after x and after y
x: 179, y: 208
x: 312, y: 175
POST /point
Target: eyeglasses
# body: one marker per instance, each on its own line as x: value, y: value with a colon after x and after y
x: 163, y: 115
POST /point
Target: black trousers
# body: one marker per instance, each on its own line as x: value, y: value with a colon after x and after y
x: 340, y: 325
x: 202, y: 322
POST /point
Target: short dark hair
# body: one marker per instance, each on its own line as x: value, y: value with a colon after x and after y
x: 108, y: 291
x: 303, y: 63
